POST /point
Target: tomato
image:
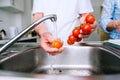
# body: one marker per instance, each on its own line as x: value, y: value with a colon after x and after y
x: 76, y: 31
x: 72, y: 38
x: 86, y: 28
x: 78, y: 39
x: 70, y: 42
x: 90, y: 18
x: 57, y: 43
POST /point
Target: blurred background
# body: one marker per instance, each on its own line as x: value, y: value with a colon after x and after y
x: 15, y: 15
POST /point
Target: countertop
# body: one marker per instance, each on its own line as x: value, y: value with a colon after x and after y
x: 21, y: 39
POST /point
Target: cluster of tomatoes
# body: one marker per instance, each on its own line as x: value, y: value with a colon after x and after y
x: 85, y: 28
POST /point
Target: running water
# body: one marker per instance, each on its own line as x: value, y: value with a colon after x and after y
x: 54, y: 58
x: 52, y: 65
x: 55, y: 30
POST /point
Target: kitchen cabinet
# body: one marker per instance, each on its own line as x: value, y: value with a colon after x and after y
x: 12, y: 5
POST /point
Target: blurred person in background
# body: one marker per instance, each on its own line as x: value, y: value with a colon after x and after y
x: 110, y: 18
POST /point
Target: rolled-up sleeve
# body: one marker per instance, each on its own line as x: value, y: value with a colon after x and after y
x: 107, y: 14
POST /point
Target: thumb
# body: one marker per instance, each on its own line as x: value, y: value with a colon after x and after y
x: 49, y: 36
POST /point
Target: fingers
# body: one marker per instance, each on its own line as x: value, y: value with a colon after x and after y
x: 45, y: 43
x: 47, y: 36
x: 55, y: 51
x: 94, y: 25
x: 118, y: 28
x: 82, y: 19
x: 82, y: 35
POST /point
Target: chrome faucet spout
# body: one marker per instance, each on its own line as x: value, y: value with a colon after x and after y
x: 52, y: 17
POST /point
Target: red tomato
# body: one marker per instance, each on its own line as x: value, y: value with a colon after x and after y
x: 86, y: 28
x: 57, y: 43
x: 70, y: 42
x: 78, y: 39
x: 72, y: 38
x: 90, y: 18
x: 76, y: 31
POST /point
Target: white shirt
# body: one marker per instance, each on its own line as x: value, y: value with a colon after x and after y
x: 67, y: 12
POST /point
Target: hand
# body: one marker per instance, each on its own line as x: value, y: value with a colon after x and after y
x: 118, y: 28
x: 94, y: 25
x: 45, y: 43
x: 117, y: 23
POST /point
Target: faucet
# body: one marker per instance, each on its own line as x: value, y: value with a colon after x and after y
x: 52, y: 17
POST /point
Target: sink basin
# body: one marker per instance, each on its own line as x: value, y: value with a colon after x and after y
x: 80, y: 60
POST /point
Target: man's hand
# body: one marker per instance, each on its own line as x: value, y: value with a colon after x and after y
x: 45, y: 43
x: 94, y: 25
x: 117, y: 25
x: 82, y: 21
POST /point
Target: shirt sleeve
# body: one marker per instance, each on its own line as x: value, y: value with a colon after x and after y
x: 85, y: 6
x: 107, y: 14
x: 37, y: 6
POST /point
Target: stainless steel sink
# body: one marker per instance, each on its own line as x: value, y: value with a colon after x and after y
x: 20, y: 57
x: 80, y: 60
